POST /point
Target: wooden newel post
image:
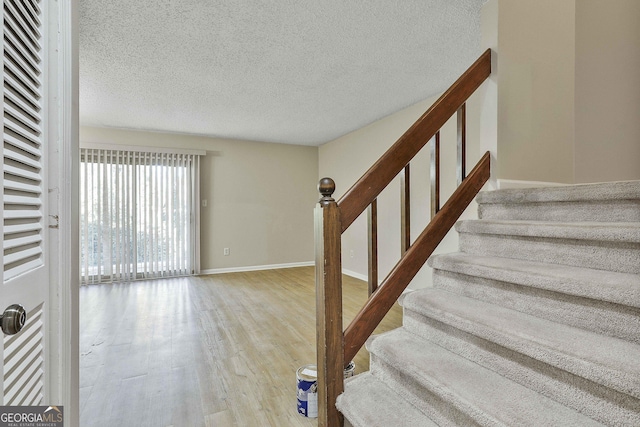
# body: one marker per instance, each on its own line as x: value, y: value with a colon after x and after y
x: 329, y: 334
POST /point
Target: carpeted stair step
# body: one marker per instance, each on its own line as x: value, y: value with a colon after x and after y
x: 453, y: 391
x: 600, y: 301
x: 619, y: 288
x: 604, y: 360
x: 595, y: 374
x: 608, y: 202
x: 602, y: 246
x: 367, y: 402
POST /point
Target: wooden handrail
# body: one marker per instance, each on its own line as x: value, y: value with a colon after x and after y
x: 363, y: 192
x: 379, y: 304
x: 335, y: 348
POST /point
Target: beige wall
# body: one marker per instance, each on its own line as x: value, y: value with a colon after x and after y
x: 536, y: 44
x: 568, y: 90
x: 568, y: 99
x: 607, y: 90
x: 260, y: 196
x: 347, y: 158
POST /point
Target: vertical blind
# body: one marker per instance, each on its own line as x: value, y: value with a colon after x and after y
x: 138, y: 215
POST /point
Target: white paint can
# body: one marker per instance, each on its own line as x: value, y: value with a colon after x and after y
x: 307, y: 388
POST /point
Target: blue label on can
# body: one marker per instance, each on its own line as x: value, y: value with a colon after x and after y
x: 308, y: 398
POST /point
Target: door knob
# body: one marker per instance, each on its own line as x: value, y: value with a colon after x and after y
x: 13, y: 319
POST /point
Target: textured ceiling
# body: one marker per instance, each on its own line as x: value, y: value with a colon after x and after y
x: 290, y: 71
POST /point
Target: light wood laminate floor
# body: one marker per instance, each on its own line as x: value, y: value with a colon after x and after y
x: 218, y: 350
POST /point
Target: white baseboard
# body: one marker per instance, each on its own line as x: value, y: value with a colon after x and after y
x: 514, y: 183
x: 350, y: 273
x: 255, y: 268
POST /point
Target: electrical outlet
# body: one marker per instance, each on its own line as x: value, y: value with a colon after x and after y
x: 352, y: 253
x: 227, y: 251
x: 204, y: 203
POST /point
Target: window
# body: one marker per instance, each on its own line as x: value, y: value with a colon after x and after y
x: 137, y: 215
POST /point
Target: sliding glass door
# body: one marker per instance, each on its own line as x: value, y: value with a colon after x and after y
x: 137, y: 215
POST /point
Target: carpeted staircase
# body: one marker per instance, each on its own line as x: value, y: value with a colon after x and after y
x: 535, y: 322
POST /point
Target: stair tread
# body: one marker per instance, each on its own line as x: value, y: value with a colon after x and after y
x: 611, y: 286
x: 368, y: 402
x: 605, y: 360
x: 624, y: 190
x: 478, y: 392
x: 601, y: 231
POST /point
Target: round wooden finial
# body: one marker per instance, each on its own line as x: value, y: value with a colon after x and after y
x: 326, y: 187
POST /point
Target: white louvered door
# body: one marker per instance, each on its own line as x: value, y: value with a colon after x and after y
x: 25, y: 278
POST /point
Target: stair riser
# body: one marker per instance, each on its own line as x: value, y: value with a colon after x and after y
x: 600, y: 211
x: 602, y: 317
x: 437, y: 409
x: 612, y: 256
x: 594, y: 400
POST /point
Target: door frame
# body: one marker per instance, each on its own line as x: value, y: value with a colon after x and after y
x: 64, y: 178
